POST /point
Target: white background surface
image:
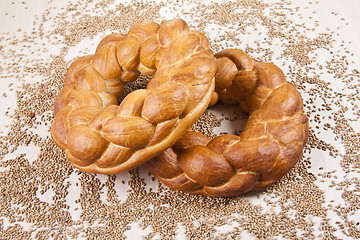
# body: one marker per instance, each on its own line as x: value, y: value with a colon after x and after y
x: 14, y: 17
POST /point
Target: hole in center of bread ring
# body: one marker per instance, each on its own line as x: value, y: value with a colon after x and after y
x: 269, y: 146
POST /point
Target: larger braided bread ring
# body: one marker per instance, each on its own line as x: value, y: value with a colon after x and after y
x: 100, y: 136
x: 271, y: 143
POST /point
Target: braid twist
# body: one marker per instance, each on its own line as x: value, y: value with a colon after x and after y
x: 99, y: 136
x: 271, y: 143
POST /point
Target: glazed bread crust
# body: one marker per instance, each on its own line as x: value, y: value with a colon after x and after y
x: 100, y: 136
x: 269, y: 146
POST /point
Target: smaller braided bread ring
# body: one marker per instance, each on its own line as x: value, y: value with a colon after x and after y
x: 269, y: 146
x: 99, y: 136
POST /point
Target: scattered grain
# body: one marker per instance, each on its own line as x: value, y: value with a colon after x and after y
x: 35, y: 191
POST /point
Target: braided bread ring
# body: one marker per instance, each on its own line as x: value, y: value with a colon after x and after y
x: 99, y: 136
x: 271, y: 143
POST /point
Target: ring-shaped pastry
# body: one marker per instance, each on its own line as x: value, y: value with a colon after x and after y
x: 100, y: 136
x: 269, y: 146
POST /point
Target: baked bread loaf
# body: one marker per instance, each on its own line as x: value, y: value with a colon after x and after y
x: 99, y: 136
x: 271, y: 143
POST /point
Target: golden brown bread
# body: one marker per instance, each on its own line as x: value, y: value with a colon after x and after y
x: 271, y: 143
x: 99, y: 136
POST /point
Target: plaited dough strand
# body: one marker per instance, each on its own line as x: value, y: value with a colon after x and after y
x: 96, y: 135
x: 267, y: 149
